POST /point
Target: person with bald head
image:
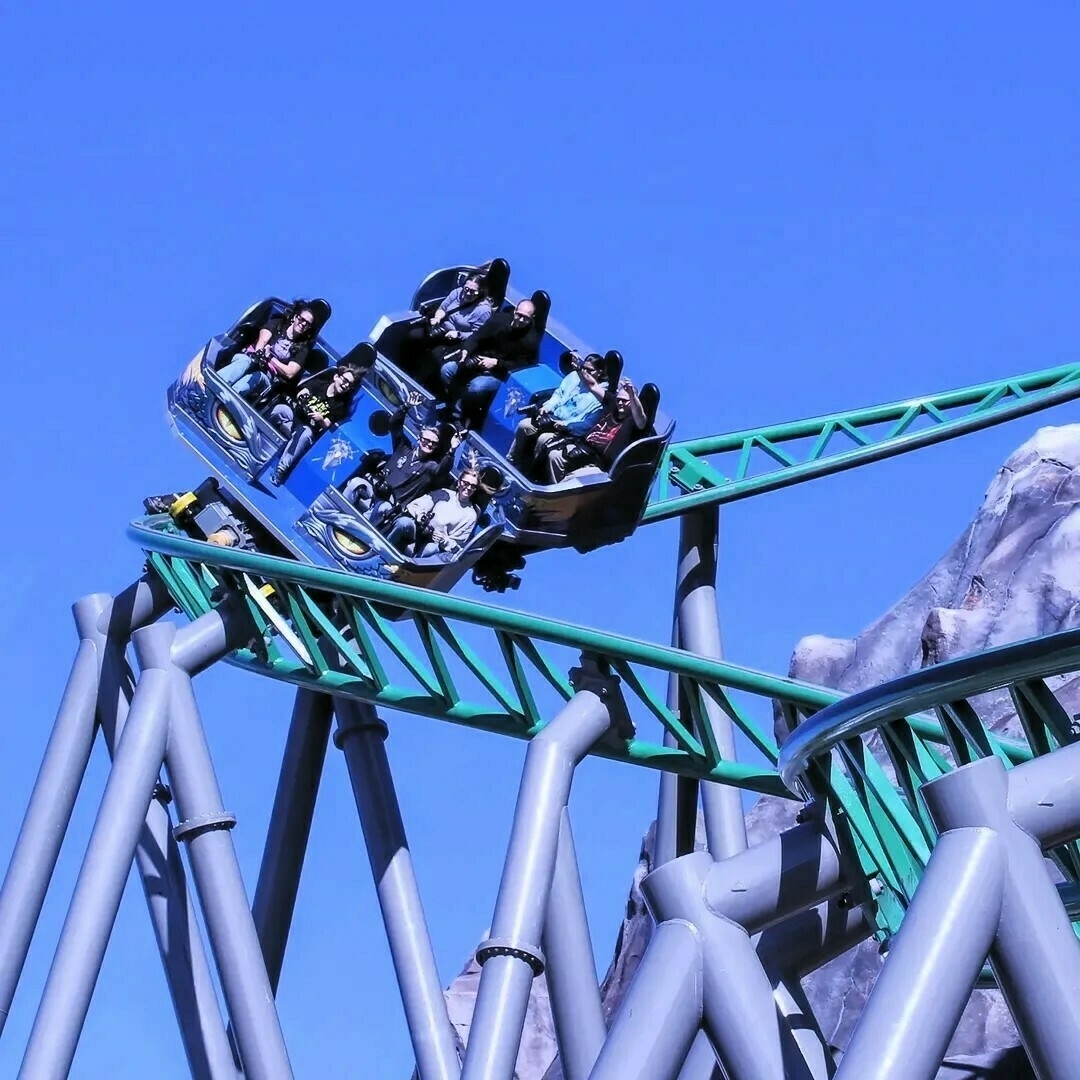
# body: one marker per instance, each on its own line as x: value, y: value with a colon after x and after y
x: 507, y: 342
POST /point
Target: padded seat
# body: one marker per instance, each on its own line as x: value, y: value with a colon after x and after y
x: 496, y: 282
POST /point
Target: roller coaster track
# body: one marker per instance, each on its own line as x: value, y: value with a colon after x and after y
x: 487, y: 667
x: 766, y: 458
x: 890, y: 826
x: 414, y: 650
x: 936, y: 837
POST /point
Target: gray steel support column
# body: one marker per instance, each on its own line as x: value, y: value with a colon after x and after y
x: 571, y: 972
x: 180, y: 943
x: 806, y: 1052
x: 46, y: 821
x: 792, y: 949
x: 920, y: 995
x: 157, y: 854
x: 773, y: 880
x: 205, y: 829
x: 701, y: 1063
x: 652, y: 1033
x: 290, y: 826
x: 48, y: 814
x: 1043, y: 798
x: 809, y: 940
x: 740, y: 1014
x: 677, y: 800
x: 1035, y: 956
x: 361, y: 736
x: 699, y: 633
x: 100, y: 886
x: 511, y: 958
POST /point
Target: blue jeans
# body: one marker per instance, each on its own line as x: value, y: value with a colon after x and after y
x: 239, y: 374
x: 301, y: 436
x: 470, y: 401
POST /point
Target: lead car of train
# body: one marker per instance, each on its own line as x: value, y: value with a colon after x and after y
x: 306, y: 513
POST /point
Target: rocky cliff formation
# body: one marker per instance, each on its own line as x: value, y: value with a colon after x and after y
x: 1013, y: 574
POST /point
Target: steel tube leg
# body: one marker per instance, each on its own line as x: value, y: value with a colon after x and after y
x: 701, y: 1063
x: 1035, y: 955
x: 699, y: 632
x: 571, y: 974
x: 157, y: 855
x: 290, y: 826
x: 739, y: 1012
x: 45, y: 824
x: 179, y: 938
x: 511, y: 957
x: 806, y: 1052
x: 100, y: 885
x: 658, y: 1020
x: 204, y: 827
x: 922, y: 990
x: 677, y: 801
x: 360, y: 736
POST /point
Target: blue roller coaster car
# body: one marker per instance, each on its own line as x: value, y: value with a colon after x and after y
x: 230, y: 424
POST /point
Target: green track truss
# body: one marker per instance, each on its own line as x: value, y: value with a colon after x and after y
x: 762, y: 459
x: 924, y: 725
x: 486, y: 667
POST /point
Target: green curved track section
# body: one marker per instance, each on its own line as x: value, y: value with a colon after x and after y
x: 468, y: 662
x: 483, y: 666
x: 724, y: 468
x: 924, y: 725
x: 504, y: 671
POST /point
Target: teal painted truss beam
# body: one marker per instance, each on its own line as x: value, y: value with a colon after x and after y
x: 763, y: 459
x: 885, y: 824
x: 476, y: 664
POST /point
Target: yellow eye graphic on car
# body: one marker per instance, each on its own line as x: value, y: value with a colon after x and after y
x: 226, y: 424
x: 350, y: 544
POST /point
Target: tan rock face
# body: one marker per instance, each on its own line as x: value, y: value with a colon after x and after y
x: 1013, y: 574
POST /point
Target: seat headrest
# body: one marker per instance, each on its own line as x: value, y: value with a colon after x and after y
x: 542, y: 303
x: 361, y: 354
x: 649, y: 396
x: 320, y: 309
x: 613, y: 368
x: 496, y: 280
x: 491, y: 477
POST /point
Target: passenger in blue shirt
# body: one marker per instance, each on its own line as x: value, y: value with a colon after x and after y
x: 573, y: 409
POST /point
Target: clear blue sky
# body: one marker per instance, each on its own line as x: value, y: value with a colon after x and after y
x: 771, y: 213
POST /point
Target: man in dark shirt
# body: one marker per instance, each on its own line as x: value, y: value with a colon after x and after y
x: 507, y: 342
x: 322, y: 400
x: 411, y: 471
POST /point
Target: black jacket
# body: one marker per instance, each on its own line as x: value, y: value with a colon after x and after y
x: 513, y: 349
x: 409, y: 475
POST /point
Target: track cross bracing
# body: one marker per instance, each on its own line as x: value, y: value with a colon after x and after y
x: 762, y: 459
x: 925, y: 725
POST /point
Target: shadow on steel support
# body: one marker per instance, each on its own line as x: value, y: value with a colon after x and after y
x: 985, y: 891
x: 759, y: 921
x: 511, y: 957
x: 163, y: 725
x: 101, y: 687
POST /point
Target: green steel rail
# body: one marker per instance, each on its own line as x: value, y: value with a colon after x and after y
x: 805, y: 449
x: 476, y: 664
x: 891, y: 832
x: 503, y: 671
